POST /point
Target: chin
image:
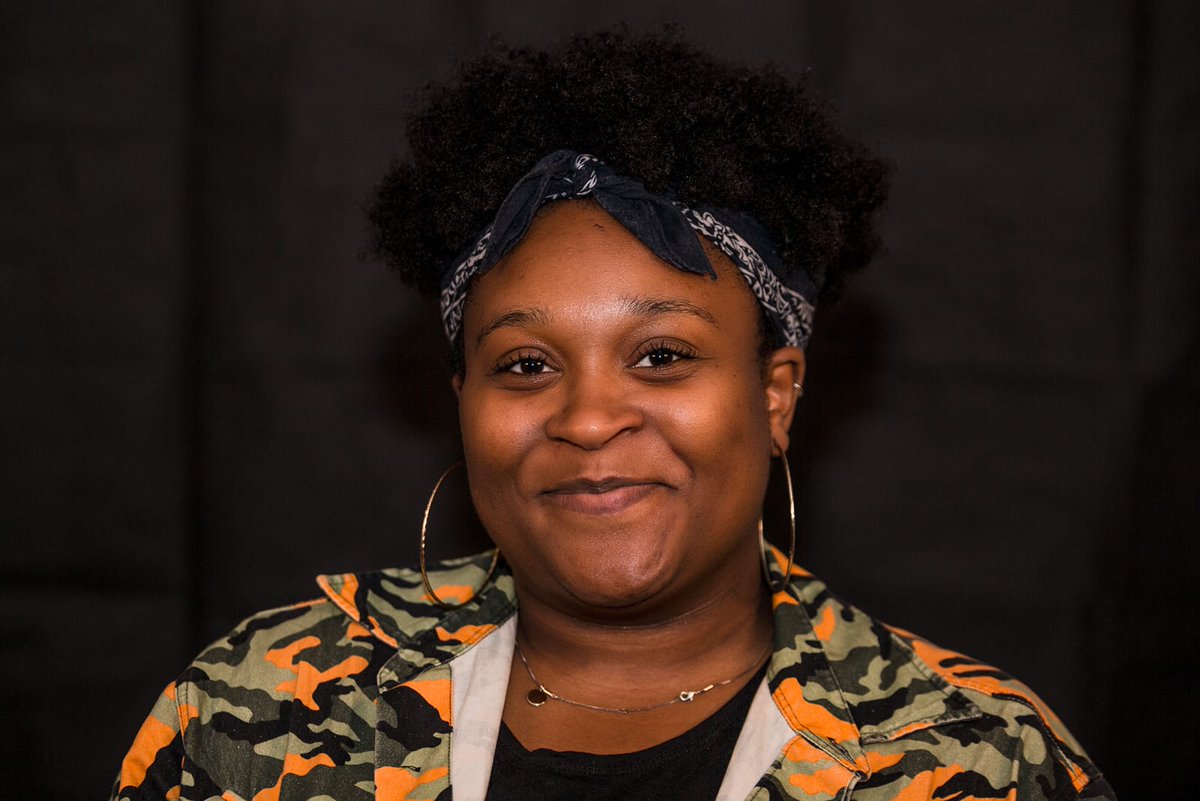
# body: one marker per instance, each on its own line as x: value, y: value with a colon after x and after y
x: 619, y: 576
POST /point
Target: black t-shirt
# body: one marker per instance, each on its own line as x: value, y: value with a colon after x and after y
x: 689, y: 767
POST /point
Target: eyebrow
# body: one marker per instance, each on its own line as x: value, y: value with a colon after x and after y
x: 640, y: 307
x: 647, y: 307
x: 512, y: 319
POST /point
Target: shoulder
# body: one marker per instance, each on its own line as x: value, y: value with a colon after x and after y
x: 268, y: 647
x: 233, y: 711
x: 293, y: 690
x: 291, y: 653
x: 916, y: 720
x: 302, y: 662
x: 1015, y: 734
x: 991, y: 688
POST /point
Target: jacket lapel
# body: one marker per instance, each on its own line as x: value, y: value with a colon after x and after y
x: 414, y: 706
x: 843, y: 681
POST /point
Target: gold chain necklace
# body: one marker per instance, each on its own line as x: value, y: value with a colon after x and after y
x: 539, y: 695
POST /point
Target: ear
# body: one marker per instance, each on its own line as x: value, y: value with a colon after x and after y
x: 784, y: 378
x: 456, y: 382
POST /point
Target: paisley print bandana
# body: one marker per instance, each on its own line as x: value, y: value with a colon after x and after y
x: 665, y: 226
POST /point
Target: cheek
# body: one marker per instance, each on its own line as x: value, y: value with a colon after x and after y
x: 497, y: 433
x: 727, y: 444
x: 728, y: 417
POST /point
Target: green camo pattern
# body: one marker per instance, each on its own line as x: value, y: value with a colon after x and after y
x: 348, y: 697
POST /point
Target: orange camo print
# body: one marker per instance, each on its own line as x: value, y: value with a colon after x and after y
x: 436, y: 693
x: 293, y: 765
x: 465, y: 634
x: 824, y: 627
x: 952, y: 666
x: 150, y: 739
x: 373, y: 656
x: 401, y: 784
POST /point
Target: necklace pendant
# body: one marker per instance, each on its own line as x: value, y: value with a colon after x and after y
x: 687, y: 695
x: 536, y: 697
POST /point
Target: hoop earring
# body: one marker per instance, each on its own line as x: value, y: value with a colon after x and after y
x: 424, y: 526
x: 762, y: 541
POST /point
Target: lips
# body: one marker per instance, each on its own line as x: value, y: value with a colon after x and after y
x: 602, y: 496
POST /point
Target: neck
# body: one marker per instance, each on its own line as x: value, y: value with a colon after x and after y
x: 644, y: 659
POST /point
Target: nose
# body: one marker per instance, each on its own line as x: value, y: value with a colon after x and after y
x: 596, y: 408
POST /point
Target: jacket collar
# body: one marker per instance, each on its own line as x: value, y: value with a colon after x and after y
x: 844, y: 680
x: 395, y: 607
x: 841, y: 679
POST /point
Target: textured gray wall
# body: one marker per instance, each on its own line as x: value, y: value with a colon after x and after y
x: 208, y: 397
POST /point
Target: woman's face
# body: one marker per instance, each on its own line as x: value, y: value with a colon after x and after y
x: 617, y: 420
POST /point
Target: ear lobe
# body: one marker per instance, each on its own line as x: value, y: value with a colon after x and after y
x: 785, y: 380
x: 457, y: 383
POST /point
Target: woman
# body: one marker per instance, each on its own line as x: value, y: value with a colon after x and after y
x: 628, y: 241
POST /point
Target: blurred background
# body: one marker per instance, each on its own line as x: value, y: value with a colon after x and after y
x: 209, y: 397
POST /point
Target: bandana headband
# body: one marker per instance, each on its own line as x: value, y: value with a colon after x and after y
x: 666, y: 227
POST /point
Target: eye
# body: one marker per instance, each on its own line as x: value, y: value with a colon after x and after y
x: 523, y: 363
x: 661, y: 355
x: 527, y: 366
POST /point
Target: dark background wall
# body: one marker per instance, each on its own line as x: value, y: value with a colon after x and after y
x: 208, y: 398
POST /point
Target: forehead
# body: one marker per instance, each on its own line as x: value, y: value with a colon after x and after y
x: 577, y: 264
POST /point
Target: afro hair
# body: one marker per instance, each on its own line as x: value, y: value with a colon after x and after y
x: 655, y: 109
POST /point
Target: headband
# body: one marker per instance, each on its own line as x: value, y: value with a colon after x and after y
x: 665, y: 226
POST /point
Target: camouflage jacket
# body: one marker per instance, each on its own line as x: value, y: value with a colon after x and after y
x: 374, y: 692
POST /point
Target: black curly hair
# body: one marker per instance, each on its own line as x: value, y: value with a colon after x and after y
x: 655, y: 109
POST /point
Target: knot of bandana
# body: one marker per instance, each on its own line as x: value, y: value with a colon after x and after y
x: 666, y: 227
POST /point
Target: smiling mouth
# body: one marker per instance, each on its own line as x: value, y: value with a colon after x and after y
x: 603, y: 497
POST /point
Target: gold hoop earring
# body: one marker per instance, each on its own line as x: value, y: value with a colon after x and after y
x: 424, y: 526
x: 762, y: 541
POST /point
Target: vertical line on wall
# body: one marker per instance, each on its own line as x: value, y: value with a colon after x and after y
x: 1132, y: 180
x: 1111, y: 616
x: 194, y: 326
